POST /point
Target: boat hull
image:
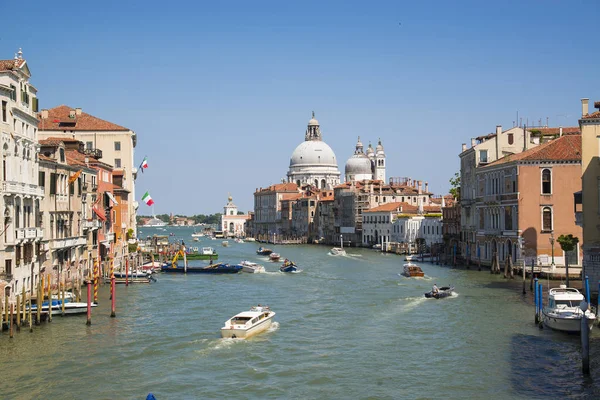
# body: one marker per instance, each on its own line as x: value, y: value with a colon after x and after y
x: 443, y: 292
x: 204, y: 270
x: 71, y: 308
x: 241, y: 333
x: 569, y: 325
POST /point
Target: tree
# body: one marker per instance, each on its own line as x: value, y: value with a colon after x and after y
x: 455, y: 186
x: 567, y: 243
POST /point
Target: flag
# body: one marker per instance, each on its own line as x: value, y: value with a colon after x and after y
x: 144, y: 164
x: 74, y: 177
x: 147, y: 199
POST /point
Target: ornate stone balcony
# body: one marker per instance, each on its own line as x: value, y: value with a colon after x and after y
x: 9, y: 187
x: 67, y: 242
x: 93, y: 224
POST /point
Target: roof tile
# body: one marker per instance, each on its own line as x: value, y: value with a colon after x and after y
x: 59, y: 120
x: 565, y: 148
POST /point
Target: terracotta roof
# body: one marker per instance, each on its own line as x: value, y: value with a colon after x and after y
x: 42, y: 157
x: 406, y: 208
x: 565, y: 148
x: 291, y: 196
x: 432, y: 209
x: 9, y: 65
x: 50, y: 142
x: 593, y: 115
x: 281, y: 187
x: 567, y: 130
x: 76, y: 158
x: 58, y: 120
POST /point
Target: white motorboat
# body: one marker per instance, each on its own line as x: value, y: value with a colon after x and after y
x: 251, y: 267
x: 225, y: 243
x: 411, y: 258
x: 208, y: 251
x: 70, y: 307
x: 239, y: 240
x: 197, y: 235
x: 338, y: 251
x: 248, y: 323
x: 250, y: 239
x: 563, y: 313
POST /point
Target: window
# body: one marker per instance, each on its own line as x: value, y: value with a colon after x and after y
x: 508, y: 218
x: 546, y: 219
x: 117, y: 146
x: 42, y: 179
x: 62, y: 155
x: 546, y: 181
x: 4, y: 116
x: 117, y: 163
x: 483, y: 156
x: 511, y: 138
x: 89, y: 145
x: 13, y: 93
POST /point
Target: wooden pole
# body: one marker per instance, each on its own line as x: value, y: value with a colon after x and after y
x: 585, y: 341
x: 89, y: 303
x: 10, y: 328
x: 524, y: 278
x: 63, y: 299
x: 96, y: 282
x: 49, y: 298
x: 18, y: 312
x: 112, y: 297
x: 30, y: 311
x: 39, y: 301
x: 126, y: 271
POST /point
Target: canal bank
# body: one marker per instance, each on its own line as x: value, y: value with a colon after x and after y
x: 346, y: 327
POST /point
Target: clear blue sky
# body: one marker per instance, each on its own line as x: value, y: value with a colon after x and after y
x: 220, y: 92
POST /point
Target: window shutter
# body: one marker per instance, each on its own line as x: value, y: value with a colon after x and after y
x: 35, y: 104
x: 52, y: 183
x: 42, y: 179
x: 72, y: 188
x: 78, y: 186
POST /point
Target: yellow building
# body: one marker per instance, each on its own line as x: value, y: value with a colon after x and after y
x: 590, y: 164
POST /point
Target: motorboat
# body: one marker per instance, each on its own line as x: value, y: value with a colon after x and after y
x: 225, y: 243
x: 220, y: 268
x: 442, y: 292
x: 251, y: 267
x: 289, y: 266
x: 197, y: 235
x: 71, y: 307
x: 337, y: 251
x: 248, y: 323
x: 274, y: 256
x: 411, y: 258
x: 377, y: 246
x: 412, y: 270
x: 563, y: 312
x: 239, y: 240
x: 263, y: 251
x: 153, y: 266
x: 196, y: 239
x: 250, y: 239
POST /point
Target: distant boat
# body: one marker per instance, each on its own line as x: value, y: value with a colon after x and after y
x: 248, y: 323
x: 251, y: 267
x: 274, y: 256
x: 262, y: 251
x: 155, y: 223
x: 197, y: 234
x: 411, y: 270
x: 442, y: 292
x: 338, y: 251
x: 220, y: 268
x: 57, y: 306
x: 289, y: 266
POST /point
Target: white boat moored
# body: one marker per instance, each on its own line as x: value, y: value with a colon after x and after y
x: 563, y: 313
x: 248, y: 323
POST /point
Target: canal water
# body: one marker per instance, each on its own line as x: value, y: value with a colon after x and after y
x: 346, y: 327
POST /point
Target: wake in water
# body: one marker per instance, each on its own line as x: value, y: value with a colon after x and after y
x: 274, y: 326
x: 413, y: 302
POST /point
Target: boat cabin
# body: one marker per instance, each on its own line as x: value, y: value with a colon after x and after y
x: 564, y: 297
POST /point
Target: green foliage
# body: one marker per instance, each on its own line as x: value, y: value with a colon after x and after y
x: 455, y: 186
x: 568, y: 242
x: 240, y: 213
x: 129, y: 233
x: 132, y: 247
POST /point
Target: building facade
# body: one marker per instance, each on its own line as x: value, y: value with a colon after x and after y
x: 20, y: 194
x: 232, y: 224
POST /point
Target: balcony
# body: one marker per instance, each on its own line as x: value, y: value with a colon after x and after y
x: 68, y: 242
x: 93, y: 224
x: 9, y: 187
x: 579, y: 219
x: 95, y: 153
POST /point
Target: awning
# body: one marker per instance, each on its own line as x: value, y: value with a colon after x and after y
x: 99, y: 213
x: 112, y: 198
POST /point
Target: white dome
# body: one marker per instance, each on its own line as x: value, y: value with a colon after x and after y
x: 313, y: 152
x: 358, y: 164
x: 313, y: 121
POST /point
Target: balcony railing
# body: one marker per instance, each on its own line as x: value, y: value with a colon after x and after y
x: 93, y: 224
x: 96, y: 153
x: 9, y: 187
x: 68, y: 242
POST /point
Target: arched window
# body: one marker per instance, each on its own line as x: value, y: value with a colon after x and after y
x: 298, y: 182
x: 323, y: 183
x: 511, y: 138
x: 547, y: 219
x: 231, y: 227
x: 546, y: 181
x: 317, y: 183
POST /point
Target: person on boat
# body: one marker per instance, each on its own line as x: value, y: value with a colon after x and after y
x: 435, y: 289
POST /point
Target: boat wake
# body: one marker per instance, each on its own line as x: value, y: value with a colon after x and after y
x: 412, y: 302
x: 274, y: 326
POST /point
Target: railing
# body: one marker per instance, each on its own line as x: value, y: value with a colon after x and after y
x: 22, y: 188
x: 30, y: 233
x: 69, y: 242
x: 93, y: 224
x: 20, y: 234
x: 96, y: 153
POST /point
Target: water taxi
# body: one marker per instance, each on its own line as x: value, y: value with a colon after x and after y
x: 411, y: 270
x: 274, y: 256
x: 563, y: 313
x: 248, y: 323
x: 263, y: 251
x: 225, y: 243
x: 251, y: 267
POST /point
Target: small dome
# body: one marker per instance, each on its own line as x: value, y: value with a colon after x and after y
x: 313, y: 152
x: 358, y: 165
x: 313, y: 121
x: 370, y: 150
x: 379, y: 147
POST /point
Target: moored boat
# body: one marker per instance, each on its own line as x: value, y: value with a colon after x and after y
x: 71, y: 307
x: 289, y: 266
x: 263, y: 251
x: 412, y: 270
x: 248, y: 323
x: 274, y: 256
x: 563, y: 312
x: 220, y: 268
x: 251, y: 267
x: 442, y: 292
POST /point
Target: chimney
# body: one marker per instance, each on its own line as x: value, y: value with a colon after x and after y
x: 426, y: 187
x: 72, y: 114
x: 473, y: 142
x: 78, y: 111
x: 44, y: 113
x: 464, y: 147
x: 560, y: 131
x: 420, y: 186
x: 498, y: 133
x: 584, y: 107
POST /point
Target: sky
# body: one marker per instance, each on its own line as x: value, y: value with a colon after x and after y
x: 219, y: 93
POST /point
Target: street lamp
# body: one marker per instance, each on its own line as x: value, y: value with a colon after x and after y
x: 552, y: 244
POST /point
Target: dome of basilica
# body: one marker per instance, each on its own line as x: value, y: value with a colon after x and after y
x: 313, y: 152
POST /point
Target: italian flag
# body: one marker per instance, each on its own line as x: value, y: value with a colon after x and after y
x: 144, y: 164
x: 147, y: 199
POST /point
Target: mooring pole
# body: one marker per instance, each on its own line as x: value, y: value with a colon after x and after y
x: 585, y: 340
x: 89, y: 302
x: 112, y: 286
x: 587, y: 289
x: 536, y: 300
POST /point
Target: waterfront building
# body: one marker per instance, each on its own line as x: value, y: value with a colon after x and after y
x: 588, y: 213
x: 369, y: 166
x: 65, y: 212
x: 232, y: 224
x: 267, y: 208
x: 528, y: 195
x: 20, y: 194
x: 378, y: 222
x: 115, y: 144
x: 313, y: 161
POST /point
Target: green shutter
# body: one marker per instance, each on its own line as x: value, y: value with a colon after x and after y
x: 52, y: 183
x: 34, y: 104
x: 42, y: 179
x: 78, y: 186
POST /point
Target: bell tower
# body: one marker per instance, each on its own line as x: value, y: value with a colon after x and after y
x: 379, y: 162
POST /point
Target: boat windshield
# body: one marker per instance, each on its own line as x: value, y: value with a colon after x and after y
x: 240, y: 320
x: 566, y: 303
